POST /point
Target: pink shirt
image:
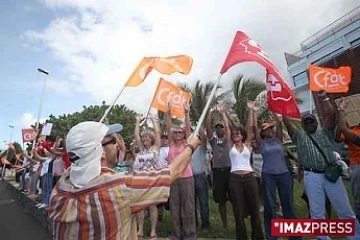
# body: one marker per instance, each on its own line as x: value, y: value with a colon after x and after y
x: 173, y: 152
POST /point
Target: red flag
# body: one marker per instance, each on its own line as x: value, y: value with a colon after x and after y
x: 244, y: 49
x: 280, y: 98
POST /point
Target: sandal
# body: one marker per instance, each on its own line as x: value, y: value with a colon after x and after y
x: 153, y: 238
x: 140, y: 237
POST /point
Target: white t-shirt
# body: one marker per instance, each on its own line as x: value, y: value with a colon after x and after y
x: 163, y: 157
x: 240, y: 160
x: 25, y: 161
x: 35, y: 167
x: 45, y: 167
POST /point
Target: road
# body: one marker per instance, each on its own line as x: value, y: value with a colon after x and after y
x: 15, y: 223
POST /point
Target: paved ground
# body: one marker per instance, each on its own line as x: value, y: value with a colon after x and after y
x: 15, y: 223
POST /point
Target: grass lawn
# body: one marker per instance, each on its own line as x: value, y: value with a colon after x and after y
x: 216, y: 230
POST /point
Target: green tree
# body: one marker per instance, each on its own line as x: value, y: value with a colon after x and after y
x: 245, y: 90
x: 118, y: 114
x: 200, y: 93
x: 248, y: 90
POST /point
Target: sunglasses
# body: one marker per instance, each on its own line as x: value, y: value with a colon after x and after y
x: 165, y: 138
x: 178, y: 132
x: 236, y: 134
x: 112, y: 141
x: 308, y: 121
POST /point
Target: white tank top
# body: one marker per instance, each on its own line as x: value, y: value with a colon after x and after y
x: 240, y: 160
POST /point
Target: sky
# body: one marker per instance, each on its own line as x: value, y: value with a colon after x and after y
x: 90, y: 47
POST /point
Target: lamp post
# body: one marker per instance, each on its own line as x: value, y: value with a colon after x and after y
x: 11, y: 133
x: 41, y: 102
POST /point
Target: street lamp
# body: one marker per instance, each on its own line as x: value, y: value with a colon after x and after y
x: 41, y: 101
x: 11, y: 134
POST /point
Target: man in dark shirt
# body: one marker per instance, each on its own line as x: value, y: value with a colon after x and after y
x: 221, y: 165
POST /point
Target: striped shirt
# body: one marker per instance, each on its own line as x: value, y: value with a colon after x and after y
x: 104, y: 208
x: 309, y: 155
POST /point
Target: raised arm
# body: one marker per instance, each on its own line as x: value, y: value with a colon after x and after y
x: 37, y: 157
x: 253, y: 121
x: 169, y: 123
x: 209, y: 129
x: 157, y: 132
x: 203, y: 137
x: 289, y: 126
x: 279, y: 128
x: 187, y: 119
x: 227, y: 129
x: 55, y: 149
x: 348, y: 134
x: 330, y: 114
x: 137, y: 132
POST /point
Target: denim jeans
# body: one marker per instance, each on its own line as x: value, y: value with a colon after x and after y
x: 23, y: 182
x: 355, y: 187
x: 46, y: 188
x: 316, y: 185
x: 202, y: 196
x: 283, y: 182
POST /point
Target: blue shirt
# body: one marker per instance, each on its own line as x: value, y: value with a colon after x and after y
x: 272, y: 152
x: 198, y: 162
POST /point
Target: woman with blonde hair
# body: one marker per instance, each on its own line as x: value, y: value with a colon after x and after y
x: 147, y: 159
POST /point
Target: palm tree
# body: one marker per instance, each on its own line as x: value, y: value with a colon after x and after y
x: 200, y: 93
x: 245, y: 90
x: 250, y: 89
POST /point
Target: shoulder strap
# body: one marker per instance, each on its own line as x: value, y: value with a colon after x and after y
x: 318, y: 148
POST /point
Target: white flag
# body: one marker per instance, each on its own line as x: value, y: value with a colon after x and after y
x: 46, y: 130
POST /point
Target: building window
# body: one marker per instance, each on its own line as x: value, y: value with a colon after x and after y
x: 355, y: 43
x: 300, y: 79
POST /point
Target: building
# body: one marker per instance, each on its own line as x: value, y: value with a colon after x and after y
x: 336, y: 45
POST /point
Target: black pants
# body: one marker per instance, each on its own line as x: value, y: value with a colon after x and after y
x: 55, y: 180
x: 244, y: 193
x: 17, y: 176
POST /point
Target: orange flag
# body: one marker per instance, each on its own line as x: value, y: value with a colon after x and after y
x: 168, y: 92
x: 329, y: 79
x: 169, y: 65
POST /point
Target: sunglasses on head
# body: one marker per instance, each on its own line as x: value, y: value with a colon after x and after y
x: 112, y: 141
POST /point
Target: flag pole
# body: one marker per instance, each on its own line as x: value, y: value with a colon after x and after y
x: 107, y: 111
x: 207, y: 106
x: 152, y: 100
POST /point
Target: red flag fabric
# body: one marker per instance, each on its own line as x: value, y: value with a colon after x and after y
x: 244, y: 49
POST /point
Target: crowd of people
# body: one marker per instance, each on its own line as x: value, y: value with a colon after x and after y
x: 93, y: 187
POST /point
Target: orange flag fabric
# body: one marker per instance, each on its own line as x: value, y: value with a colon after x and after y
x: 329, y: 79
x: 168, y: 65
x: 168, y: 92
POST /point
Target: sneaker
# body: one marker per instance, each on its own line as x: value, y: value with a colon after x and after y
x: 261, y: 209
x: 205, y: 230
x: 44, y: 206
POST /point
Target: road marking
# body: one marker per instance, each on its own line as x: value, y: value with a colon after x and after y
x: 6, y: 201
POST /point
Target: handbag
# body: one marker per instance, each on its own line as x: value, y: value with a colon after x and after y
x: 332, y: 170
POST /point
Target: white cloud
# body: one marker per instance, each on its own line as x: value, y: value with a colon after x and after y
x: 28, y: 119
x: 101, y: 41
